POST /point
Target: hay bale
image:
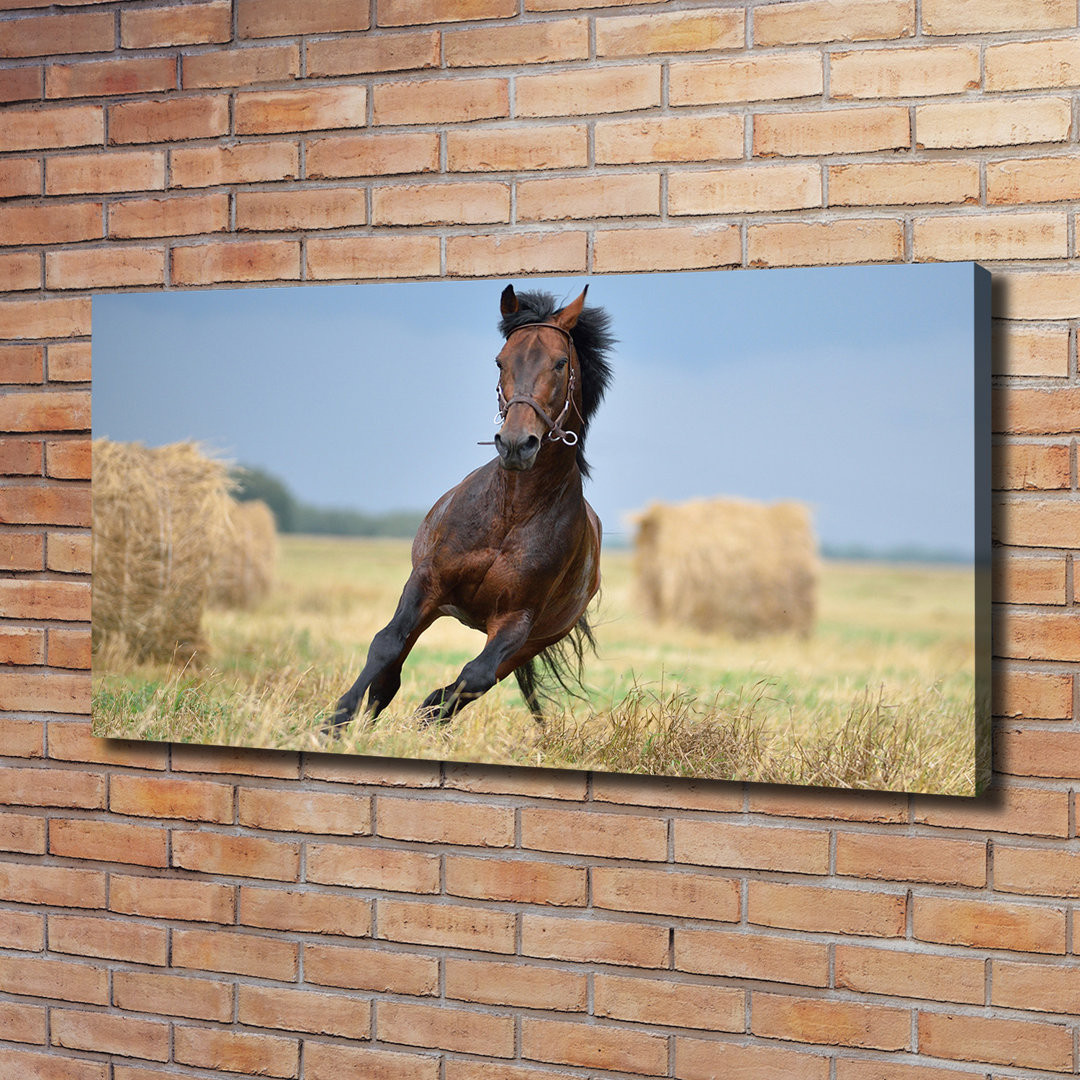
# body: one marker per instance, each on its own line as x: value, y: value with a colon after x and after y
x: 160, y: 523
x: 244, y: 573
x: 730, y: 565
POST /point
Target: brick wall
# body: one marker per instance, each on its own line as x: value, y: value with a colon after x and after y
x: 175, y: 912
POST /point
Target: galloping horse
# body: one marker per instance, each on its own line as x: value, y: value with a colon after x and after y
x: 514, y: 549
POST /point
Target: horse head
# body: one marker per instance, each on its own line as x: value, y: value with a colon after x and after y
x: 539, y: 381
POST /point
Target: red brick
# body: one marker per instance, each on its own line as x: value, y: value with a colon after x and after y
x: 1037, y: 412
x: 410, y: 12
x: 743, y: 955
x: 699, y: 1059
x: 20, y: 271
x: 108, y: 841
x: 110, y: 78
x: 76, y: 174
x: 235, y: 953
x: 1033, y: 180
x: 531, y: 783
x: 68, y: 459
x: 372, y: 155
x: 185, y: 215
x: 517, y: 880
x: 444, y: 1028
x: 244, y: 163
x: 594, y: 941
x: 48, y: 223
x: 20, y: 645
x: 36, y: 977
x: 441, y: 204
x: 22, y: 1023
x: 666, y: 892
x: 830, y: 1023
x: 998, y: 236
x: 373, y: 868
x: 1037, y: 871
x: 1038, y: 295
x: 169, y: 120
x: 21, y: 319
x: 24, y: 834
x: 113, y: 939
x: 670, y: 1004
x: 454, y: 926
x: 373, y: 257
x: 997, y: 1040
x: 173, y: 995
x: 1042, y: 987
x: 315, y: 208
x: 171, y: 797
x: 713, y: 843
x: 240, y: 260
x: 20, y: 84
x: 1030, y: 467
x: 594, y: 1046
x: 830, y: 20
x: 73, y: 741
x: 68, y: 553
x: 325, y: 1061
x: 176, y: 24
x: 1010, y: 809
x: 516, y: 985
x: 69, y: 362
x: 674, y: 32
x: 280, y: 18
x: 240, y: 761
x: 52, y: 787
x: 237, y: 1051
x: 918, y: 975
x: 22, y: 738
x: 589, y: 832
x: 386, y: 52
x: 562, y: 146
x: 21, y: 551
x: 20, y: 176
x: 590, y: 91
x: 990, y: 924
x: 237, y: 856
x: 172, y: 898
x: 48, y: 35
x: 897, y: 183
x: 47, y: 504
x: 377, y: 970
x: 21, y: 364
x: 1051, y: 636
x: 305, y: 911
x: 440, y: 101
x: 523, y: 253
x: 427, y: 821
x: 518, y: 45
x: 49, y: 128
x: 911, y: 72
x: 102, y: 268
x: 308, y: 812
x: 244, y: 67
x: 304, y: 1010
x: 267, y: 112
x: 823, y: 910
x: 29, y: 1065
x: 911, y: 858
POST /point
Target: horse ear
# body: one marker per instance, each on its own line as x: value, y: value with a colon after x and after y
x: 567, y: 318
x: 508, y: 302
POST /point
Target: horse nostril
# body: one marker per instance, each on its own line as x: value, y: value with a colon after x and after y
x: 500, y: 445
x: 530, y: 446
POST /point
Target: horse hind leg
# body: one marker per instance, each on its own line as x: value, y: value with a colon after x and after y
x: 525, y: 674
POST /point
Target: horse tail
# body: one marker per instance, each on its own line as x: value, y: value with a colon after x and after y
x: 560, y: 665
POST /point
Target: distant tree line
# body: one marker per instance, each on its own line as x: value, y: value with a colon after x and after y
x: 293, y: 516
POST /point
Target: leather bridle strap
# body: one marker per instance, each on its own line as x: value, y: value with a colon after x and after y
x: 555, y: 431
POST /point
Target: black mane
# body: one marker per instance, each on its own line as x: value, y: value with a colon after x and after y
x: 592, y: 340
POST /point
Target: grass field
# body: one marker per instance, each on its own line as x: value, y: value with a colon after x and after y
x: 880, y: 696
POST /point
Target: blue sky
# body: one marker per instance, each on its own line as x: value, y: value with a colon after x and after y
x: 849, y: 388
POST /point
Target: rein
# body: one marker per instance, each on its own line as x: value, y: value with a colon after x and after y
x: 555, y: 430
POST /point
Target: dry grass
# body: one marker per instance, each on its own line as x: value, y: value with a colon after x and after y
x: 244, y: 571
x: 879, y: 697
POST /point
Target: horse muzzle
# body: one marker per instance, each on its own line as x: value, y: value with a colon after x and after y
x: 517, y: 452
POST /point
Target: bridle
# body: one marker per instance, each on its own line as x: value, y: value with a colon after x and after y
x: 555, y: 430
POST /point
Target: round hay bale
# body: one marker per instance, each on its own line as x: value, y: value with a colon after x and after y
x: 244, y: 572
x: 731, y: 565
x: 160, y: 522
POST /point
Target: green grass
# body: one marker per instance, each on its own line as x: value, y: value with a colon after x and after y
x: 880, y: 696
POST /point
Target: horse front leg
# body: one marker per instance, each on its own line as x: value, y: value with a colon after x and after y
x: 505, y: 641
x: 381, y: 675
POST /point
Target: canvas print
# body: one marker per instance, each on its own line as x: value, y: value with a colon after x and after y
x: 710, y: 525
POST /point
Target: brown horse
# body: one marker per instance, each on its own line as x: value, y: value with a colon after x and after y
x: 514, y: 549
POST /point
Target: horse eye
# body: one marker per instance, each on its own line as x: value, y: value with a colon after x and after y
x: 560, y: 364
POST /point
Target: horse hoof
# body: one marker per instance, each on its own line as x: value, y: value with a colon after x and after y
x: 431, y: 714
